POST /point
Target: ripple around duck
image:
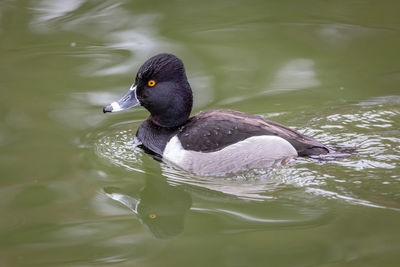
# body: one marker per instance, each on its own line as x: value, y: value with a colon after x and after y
x: 119, y: 147
x: 372, y: 129
x: 239, y: 200
x: 368, y: 178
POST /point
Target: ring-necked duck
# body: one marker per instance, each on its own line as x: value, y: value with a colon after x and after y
x: 210, y: 142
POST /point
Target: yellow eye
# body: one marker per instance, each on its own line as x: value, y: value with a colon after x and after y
x: 151, y: 83
x: 152, y: 216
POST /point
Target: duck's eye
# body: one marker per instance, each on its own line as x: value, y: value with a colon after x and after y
x: 152, y: 216
x: 151, y: 83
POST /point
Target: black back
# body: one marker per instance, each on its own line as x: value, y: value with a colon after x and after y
x: 213, y: 130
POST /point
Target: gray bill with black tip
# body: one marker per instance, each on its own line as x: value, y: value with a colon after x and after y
x: 127, y: 101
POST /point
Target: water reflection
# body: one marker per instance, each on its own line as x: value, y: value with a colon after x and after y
x: 296, y: 74
x: 77, y: 110
x: 47, y: 10
x: 251, y: 185
x: 377, y: 149
x: 162, y: 205
x: 338, y: 34
x: 159, y: 206
x: 59, y: 56
x: 128, y: 38
x: 245, y: 202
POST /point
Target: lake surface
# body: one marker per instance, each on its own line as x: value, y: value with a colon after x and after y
x: 76, y: 191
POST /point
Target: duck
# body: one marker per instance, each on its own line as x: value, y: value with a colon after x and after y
x: 213, y: 142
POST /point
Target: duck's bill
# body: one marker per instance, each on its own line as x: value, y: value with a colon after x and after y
x: 127, y: 101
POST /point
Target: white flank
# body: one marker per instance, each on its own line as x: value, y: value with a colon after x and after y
x: 253, y: 152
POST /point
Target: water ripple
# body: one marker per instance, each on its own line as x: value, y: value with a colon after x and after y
x: 378, y: 148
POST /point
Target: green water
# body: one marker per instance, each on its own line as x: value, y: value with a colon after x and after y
x: 75, y: 191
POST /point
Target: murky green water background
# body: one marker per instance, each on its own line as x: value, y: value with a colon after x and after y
x: 74, y: 191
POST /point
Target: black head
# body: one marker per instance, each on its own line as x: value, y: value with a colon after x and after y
x: 161, y: 86
x: 163, y: 89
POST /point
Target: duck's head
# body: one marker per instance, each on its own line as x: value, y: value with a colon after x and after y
x: 161, y: 87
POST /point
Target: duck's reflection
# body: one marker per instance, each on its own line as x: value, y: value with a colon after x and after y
x: 241, y: 203
x: 160, y: 207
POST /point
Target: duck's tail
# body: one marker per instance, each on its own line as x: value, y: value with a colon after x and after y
x: 334, y: 152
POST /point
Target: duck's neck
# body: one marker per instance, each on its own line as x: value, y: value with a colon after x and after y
x: 168, y: 122
x: 155, y: 137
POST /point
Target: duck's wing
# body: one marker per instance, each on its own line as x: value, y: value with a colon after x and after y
x: 213, y: 130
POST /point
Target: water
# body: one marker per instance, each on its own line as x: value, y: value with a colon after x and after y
x: 75, y: 191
